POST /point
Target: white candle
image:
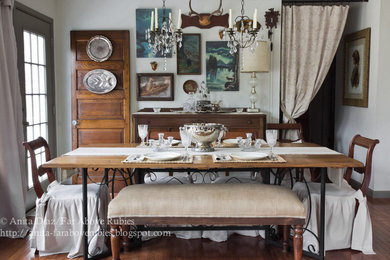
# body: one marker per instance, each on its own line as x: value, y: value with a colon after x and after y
x: 255, y: 19
x: 230, y: 19
x: 152, y: 21
x: 170, y: 17
x: 179, y: 20
x: 155, y: 18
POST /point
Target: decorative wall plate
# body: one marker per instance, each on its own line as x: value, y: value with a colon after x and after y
x: 190, y: 86
x: 99, y: 81
x: 99, y: 48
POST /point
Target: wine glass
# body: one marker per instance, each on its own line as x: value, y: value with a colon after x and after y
x: 272, y: 136
x: 186, y: 138
x: 143, y: 132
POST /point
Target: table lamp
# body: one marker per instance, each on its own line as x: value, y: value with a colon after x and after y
x: 257, y: 61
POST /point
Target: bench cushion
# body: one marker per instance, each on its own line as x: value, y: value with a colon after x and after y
x: 206, y: 200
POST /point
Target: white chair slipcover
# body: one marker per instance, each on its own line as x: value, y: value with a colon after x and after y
x: 58, y: 228
x: 343, y: 228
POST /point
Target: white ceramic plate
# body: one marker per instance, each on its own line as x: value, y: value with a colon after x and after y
x: 175, y: 142
x: 163, y: 156
x: 230, y: 141
x: 249, y: 155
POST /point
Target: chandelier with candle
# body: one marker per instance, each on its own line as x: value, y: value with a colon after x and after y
x: 243, y: 33
x: 163, y: 40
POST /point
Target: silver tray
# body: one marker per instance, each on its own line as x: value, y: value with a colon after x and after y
x: 99, y: 48
x: 99, y: 81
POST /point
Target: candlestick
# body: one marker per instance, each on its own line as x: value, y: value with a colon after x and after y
x: 230, y: 19
x: 255, y: 19
x: 152, y: 21
x: 179, y: 20
x: 156, y: 18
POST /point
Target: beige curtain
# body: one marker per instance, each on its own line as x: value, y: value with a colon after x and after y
x: 12, y: 178
x: 310, y: 37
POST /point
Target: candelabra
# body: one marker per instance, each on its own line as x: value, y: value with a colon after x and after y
x: 163, y: 40
x: 243, y: 33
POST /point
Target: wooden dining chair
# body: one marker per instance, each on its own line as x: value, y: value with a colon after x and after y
x: 38, y: 171
x: 283, y: 128
x: 63, y: 202
x: 340, y: 196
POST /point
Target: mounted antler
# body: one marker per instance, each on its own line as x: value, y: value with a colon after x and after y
x: 205, y: 19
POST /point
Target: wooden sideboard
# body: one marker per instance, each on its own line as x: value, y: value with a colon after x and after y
x: 169, y: 122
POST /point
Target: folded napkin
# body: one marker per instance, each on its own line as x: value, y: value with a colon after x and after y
x: 221, y: 157
x: 134, y: 158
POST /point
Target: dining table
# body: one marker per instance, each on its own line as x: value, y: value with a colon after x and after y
x: 292, y: 155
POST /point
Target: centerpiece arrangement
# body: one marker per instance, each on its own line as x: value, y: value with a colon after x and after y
x: 204, y: 134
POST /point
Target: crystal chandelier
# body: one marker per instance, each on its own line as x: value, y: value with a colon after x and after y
x: 243, y: 33
x: 163, y: 40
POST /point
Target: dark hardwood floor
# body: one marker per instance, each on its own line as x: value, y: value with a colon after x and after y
x: 237, y: 247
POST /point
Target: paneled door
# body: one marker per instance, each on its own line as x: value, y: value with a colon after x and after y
x: 34, y: 38
x: 100, y: 118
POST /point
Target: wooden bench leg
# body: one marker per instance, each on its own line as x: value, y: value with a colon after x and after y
x: 286, y: 230
x: 298, y: 242
x: 115, y: 242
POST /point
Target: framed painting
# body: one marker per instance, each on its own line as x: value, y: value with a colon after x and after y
x: 188, y: 56
x: 356, y: 68
x: 155, y: 87
x: 222, y: 67
x: 143, y: 21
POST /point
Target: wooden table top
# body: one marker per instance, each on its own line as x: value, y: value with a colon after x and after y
x: 204, y: 162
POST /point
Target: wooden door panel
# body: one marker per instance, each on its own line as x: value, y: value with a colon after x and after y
x: 114, y: 94
x: 100, y: 109
x: 100, y: 136
x: 100, y: 118
x: 81, y: 74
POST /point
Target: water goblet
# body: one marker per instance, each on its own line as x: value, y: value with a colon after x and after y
x: 272, y: 136
x: 257, y: 144
x: 143, y: 132
x: 170, y: 140
x: 186, y: 138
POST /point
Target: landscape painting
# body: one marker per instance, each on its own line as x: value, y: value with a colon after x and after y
x: 188, y: 56
x: 155, y: 86
x: 143, y: 20
x: 222, y: 67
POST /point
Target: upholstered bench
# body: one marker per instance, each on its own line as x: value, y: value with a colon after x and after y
x: 206, y: 204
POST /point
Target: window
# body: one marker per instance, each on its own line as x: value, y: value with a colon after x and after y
x: 35, y: 93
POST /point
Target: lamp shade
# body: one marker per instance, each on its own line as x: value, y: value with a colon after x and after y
x: 257, y: 61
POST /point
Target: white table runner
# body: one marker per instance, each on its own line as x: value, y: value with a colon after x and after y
x: 119, y: 151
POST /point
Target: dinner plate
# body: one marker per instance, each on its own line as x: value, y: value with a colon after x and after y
x: 163, y: 156
x: 249, y: 155
x: 175, y: 142
x: 230, y: 141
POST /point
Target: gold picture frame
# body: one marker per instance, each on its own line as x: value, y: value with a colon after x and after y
x: 356, y: 68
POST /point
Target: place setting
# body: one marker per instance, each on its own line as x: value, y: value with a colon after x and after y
x: 250, y: 150
x: 161, y: 148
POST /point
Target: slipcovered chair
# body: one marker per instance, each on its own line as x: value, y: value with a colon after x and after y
x: 58, y: 220
x: 348, y: 223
